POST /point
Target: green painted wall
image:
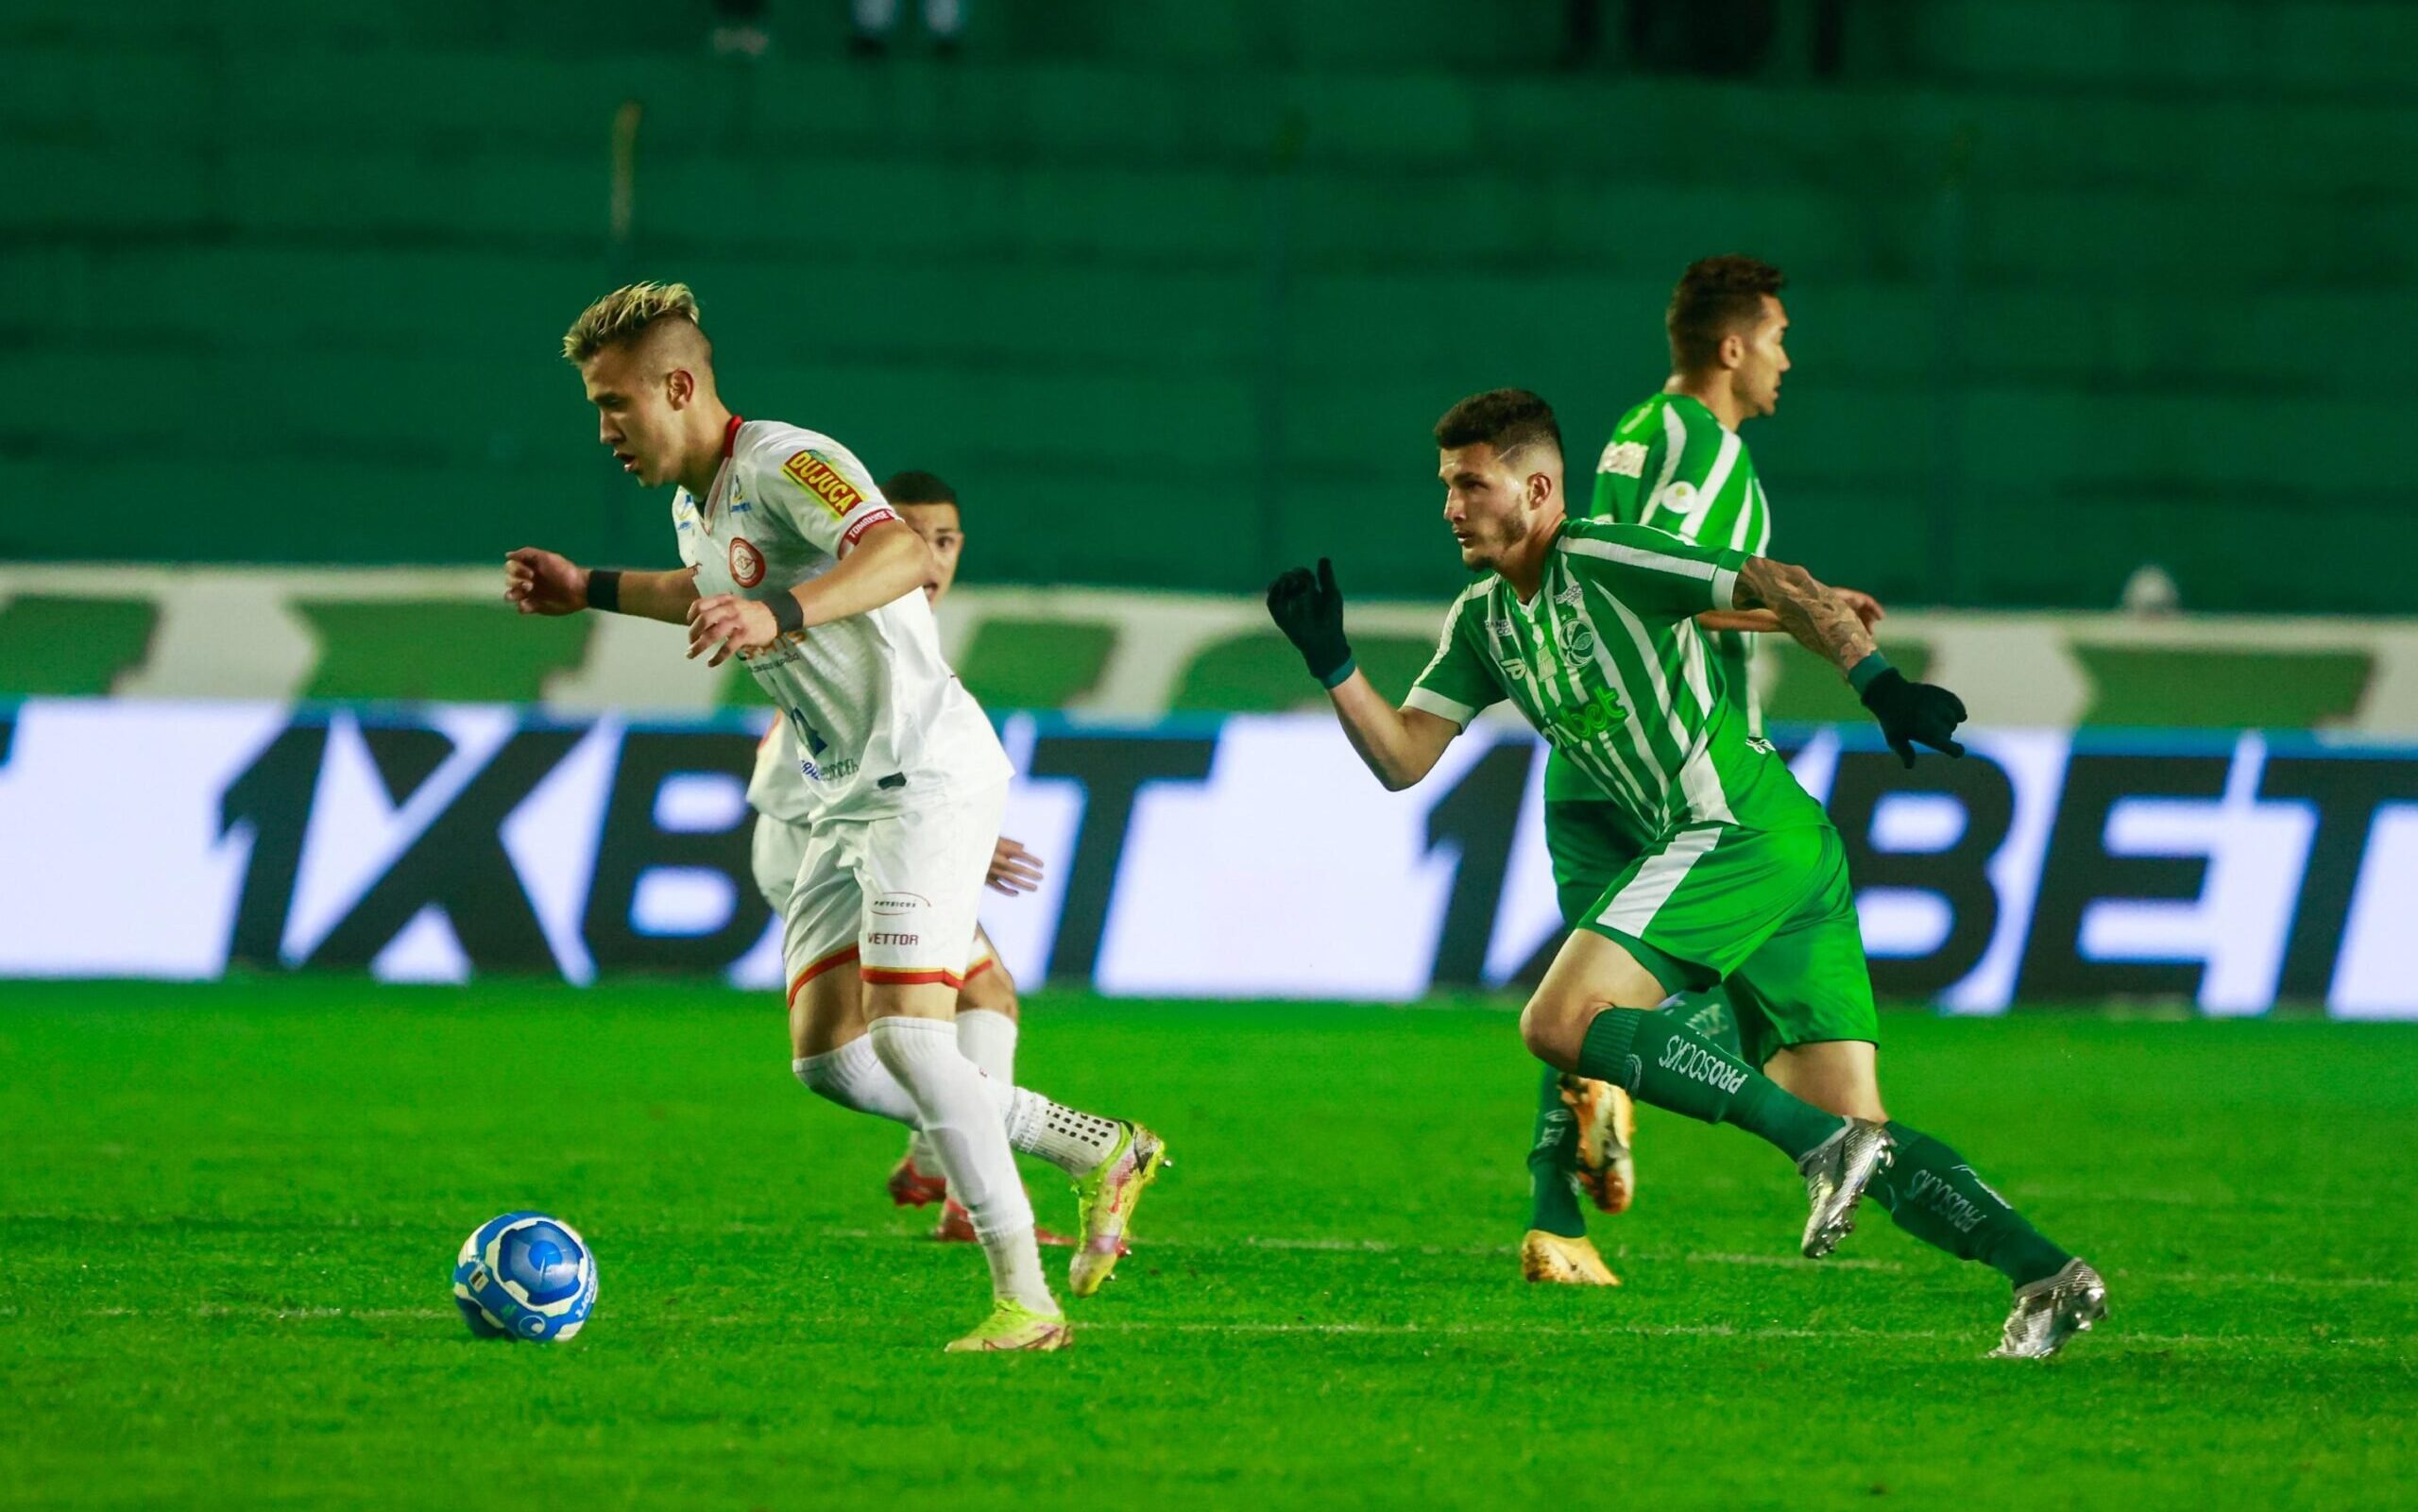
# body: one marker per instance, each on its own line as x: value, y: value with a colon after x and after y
x: 1175, y: 303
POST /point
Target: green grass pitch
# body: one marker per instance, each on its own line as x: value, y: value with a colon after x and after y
x: 227, y: 1215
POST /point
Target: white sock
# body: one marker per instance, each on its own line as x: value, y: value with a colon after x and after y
x: 854, y: 1077
x: 960, y: 1120
x: 919, y: 1150
x: 988, y: 1038
x: 1073, y: 1141
x: 1015, y: 1270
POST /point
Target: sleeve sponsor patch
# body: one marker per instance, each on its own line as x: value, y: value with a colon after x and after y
x: 868, y: 522
x: 814, y: 472
x: 1626, y: 458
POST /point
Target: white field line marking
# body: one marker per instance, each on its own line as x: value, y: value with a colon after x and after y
x: 2187, y: 1278
x: 2116, y: 1333
x: 1380, y: 1247
x: 1718, y: 1331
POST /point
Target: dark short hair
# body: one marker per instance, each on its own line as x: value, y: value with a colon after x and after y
x: 912, y: 487
x: 1716, y: 297
x: 1503, y: 419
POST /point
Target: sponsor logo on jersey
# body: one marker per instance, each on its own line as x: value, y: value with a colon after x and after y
x: 814, y: 473
x: 1624, y: 459
x: 1576, y: 724
x: 868, y: 522
x: 746, y: 562
x: 887, y: 939
x: 892, y: 904
x: 1571, y: 597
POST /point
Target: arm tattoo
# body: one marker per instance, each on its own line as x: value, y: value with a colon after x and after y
x: 1822, y: 621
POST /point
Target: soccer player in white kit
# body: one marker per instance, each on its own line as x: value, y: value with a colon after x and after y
x: 988, y: 1013
x: 797, y: 565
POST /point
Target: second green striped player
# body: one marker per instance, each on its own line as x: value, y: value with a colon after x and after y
x: 1676, y: 463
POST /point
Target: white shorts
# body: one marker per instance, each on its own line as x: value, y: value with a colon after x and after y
x: 895, y: 896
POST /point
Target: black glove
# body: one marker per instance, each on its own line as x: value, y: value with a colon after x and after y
x: 1912, y: 713
x: 1310, y: 612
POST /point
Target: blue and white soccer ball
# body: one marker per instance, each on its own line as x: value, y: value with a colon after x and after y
x: 525, y: 1276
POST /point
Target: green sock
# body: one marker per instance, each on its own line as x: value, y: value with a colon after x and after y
x: 1664, y: 1063
x: 1936, y: 1196
x: 1554, y: 1205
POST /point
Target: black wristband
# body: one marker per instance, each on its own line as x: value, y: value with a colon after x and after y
x: 787, y: 612
x: 605, y: 591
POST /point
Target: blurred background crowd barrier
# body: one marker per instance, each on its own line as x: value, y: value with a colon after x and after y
x: 2100, y: 325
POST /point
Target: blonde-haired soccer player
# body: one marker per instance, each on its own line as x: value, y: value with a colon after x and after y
x: 797, y: 564
x: 988, y: 1012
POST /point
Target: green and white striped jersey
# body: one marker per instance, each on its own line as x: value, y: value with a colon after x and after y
x: 1606, y: 662
x: 1673, y: 466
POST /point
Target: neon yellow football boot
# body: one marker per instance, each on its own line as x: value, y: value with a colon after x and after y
x: 1106, y: 1199
x: 1014, y: 1326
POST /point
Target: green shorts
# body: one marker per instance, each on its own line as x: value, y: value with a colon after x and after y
x: 1769, y: 913
x: 1590, y: 842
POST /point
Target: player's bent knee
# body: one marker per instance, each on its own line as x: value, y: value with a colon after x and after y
x: 1553, y: 1028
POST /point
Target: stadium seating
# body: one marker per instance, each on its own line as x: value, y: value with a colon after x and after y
x: 2060, y: 309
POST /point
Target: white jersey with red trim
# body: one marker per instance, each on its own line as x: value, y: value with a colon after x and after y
x: 880, y: 723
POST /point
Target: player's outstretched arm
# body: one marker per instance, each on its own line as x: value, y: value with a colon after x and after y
x: 542, y: 582
x: 1400, y: 745
x: 1825, y: 623
x: 1765, y: 621
x: 888, y: 562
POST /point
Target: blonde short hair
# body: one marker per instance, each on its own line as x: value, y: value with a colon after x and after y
x: 625, y: 315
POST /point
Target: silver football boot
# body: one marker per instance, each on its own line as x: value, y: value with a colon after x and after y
x: 2051, y: 1311
x: 1836, y: 1172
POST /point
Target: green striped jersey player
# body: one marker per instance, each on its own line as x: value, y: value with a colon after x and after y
x: 1677, y: 463
x: 1587, y: 629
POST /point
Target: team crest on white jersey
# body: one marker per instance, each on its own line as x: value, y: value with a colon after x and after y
x: 746, y: 562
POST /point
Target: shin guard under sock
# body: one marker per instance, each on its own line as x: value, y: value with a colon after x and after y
x: 1665, y: 1064
x: 1936, y: 1196
x: 1553, y: 1158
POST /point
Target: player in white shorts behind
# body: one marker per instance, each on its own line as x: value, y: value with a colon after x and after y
x: 797, y: 564
x: 988, y: 1015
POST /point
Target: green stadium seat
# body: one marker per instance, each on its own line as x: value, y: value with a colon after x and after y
x: 437, y: 650
x: 1807, y: 689
x: 64, y: 646
x: 1259, y: 672
x: 2158, y: 686
x: 1035, y: 664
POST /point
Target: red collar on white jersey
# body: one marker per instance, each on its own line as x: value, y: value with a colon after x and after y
x: 730, y: 435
